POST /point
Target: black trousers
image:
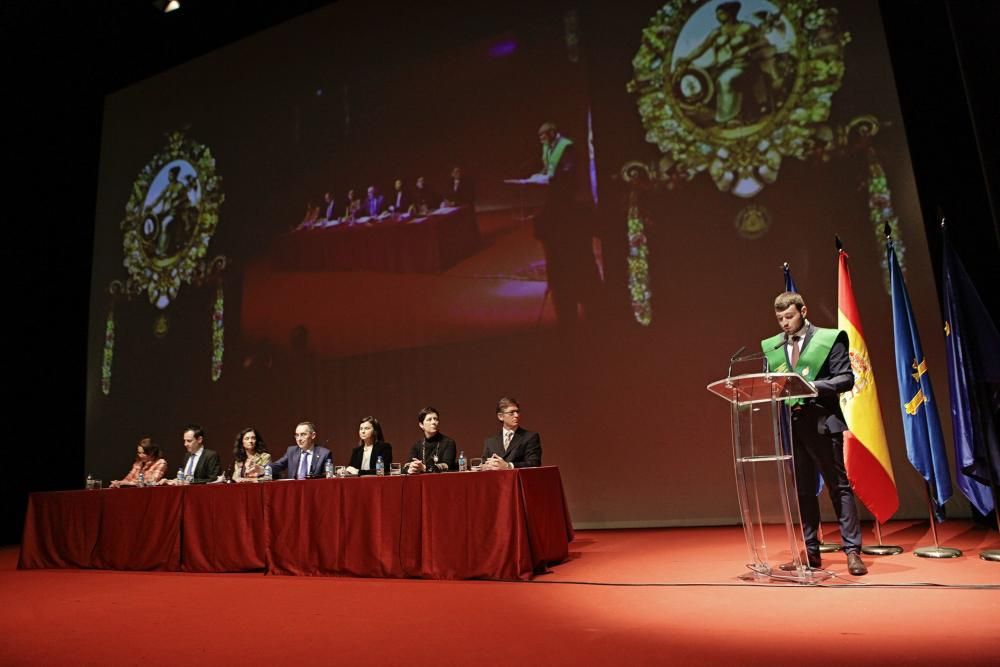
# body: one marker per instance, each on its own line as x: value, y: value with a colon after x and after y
x: 823, y: 452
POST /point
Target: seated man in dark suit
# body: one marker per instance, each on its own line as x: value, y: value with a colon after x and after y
x: 513, y: 447
x: 201, y: 464
x: 305, y: 458
x: 435, y: 452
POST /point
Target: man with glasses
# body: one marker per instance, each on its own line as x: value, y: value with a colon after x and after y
x: 513, y: 447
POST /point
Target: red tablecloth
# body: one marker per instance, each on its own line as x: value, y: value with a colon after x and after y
x: 491, y: 525
x: 428, y: 244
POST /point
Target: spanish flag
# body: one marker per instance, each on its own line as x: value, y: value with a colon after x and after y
x: 866, y: 452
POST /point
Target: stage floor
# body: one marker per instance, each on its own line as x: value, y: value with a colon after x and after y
x: 637, y: 597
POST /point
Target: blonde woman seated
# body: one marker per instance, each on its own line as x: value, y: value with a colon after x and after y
x: 251, y: 456
x: 148, y: 461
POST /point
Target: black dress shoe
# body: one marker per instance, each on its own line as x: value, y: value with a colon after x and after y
x: 855, y: 565
x: 812, y: 559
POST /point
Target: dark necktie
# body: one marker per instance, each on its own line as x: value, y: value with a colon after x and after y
x: 795, y: 350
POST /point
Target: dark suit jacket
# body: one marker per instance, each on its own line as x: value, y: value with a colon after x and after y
x: 383, y: 449
x: 463, y: 195
x: 832, y: 379
x: 425, y: 198
x: 289, y: 462
x: 208, y: 468
x: 525, y: 449
x: 425, y: 450
x: 399, y: 201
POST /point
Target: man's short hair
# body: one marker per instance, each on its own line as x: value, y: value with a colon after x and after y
x: 548, y: 126
x: 507, y: 402
x: 786, y: 299
x: 422, y: 415
x: 198, y: 431
x: 312, y: 427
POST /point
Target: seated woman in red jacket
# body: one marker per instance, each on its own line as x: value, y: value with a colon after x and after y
x: 148, y: 461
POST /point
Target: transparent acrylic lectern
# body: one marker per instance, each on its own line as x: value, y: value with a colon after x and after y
x: 762, y: 455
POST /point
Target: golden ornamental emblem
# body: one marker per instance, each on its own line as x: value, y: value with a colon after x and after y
x: 733, y: 88
x: 170, y: 219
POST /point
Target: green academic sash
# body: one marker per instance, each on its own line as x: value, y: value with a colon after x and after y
x: 552, y: 155
x: 811, y: 358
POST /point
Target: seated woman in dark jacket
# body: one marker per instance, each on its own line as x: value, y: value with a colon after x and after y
x: 372, y: 446
x: 435, y: 452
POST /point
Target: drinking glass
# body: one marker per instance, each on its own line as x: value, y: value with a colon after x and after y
x: 475, y: 464
x: 341, y: 471
x: 395, y: 468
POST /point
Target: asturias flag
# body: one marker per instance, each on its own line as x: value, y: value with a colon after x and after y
x: 866, y: 450
x: 921, y: 425
x: 973, y: 346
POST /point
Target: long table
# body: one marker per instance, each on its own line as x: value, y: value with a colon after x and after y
x: 425, y: 244
x: 476, y: 525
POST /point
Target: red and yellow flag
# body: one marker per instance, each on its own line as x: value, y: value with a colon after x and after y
x: 866, y: 452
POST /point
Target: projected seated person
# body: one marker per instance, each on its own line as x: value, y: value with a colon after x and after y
x: 399, y: 200
x: 513, y: 447
x: 200, y: 463
x: 352, y: 207
x: 460, y: 190
x: 434, y: 452
x: 372, y: 445
x: 425, y: 200
x: 149, y: 462
x: 304, y: 459
x: 251, y: 455
x: 328, y: 209
x: 373, y: 203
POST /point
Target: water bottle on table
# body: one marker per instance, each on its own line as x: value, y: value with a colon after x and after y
x: 328, y: 469
x: 461, y: 461
x: 142, y: 479
x: 268, y: 474
x: 380, y: 467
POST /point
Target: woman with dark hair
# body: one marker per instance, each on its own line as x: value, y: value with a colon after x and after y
x: 251, y: 456
x: 371, y: 446
x: 149, y: 462
x: 434, y: 452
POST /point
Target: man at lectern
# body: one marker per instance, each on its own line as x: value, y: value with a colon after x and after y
x: 563, y: 227
x: 820, y: 356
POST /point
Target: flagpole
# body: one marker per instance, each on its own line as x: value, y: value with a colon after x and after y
x: 936, y: 551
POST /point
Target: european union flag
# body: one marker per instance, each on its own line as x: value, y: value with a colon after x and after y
x: 973, y: 346
x: 921, y: 425
x: 789, y: 282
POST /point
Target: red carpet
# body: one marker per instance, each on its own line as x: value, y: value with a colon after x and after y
x: 97, y: 617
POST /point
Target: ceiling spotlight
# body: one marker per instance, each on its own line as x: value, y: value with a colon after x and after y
x: 166, y: 6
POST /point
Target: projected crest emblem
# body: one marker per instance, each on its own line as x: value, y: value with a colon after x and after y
x: 170, y: 219
x: 733, y: 88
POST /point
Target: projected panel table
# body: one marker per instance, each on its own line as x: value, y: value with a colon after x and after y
x: 489, y: 525
x: 428, y: 244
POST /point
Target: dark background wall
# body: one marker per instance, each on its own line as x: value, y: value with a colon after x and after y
x: 60, y: 61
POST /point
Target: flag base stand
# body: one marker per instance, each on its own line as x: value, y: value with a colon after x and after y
x: 882, y: 550
x: 990, y: 554
x: 937, y: 552
x: 828, y: 547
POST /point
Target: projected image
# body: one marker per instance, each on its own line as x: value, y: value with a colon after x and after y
x: 440, y: 215
x: 585, y: 206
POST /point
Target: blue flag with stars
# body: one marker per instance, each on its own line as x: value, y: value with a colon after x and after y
x: 973, y: 347
x: 921, y: 426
